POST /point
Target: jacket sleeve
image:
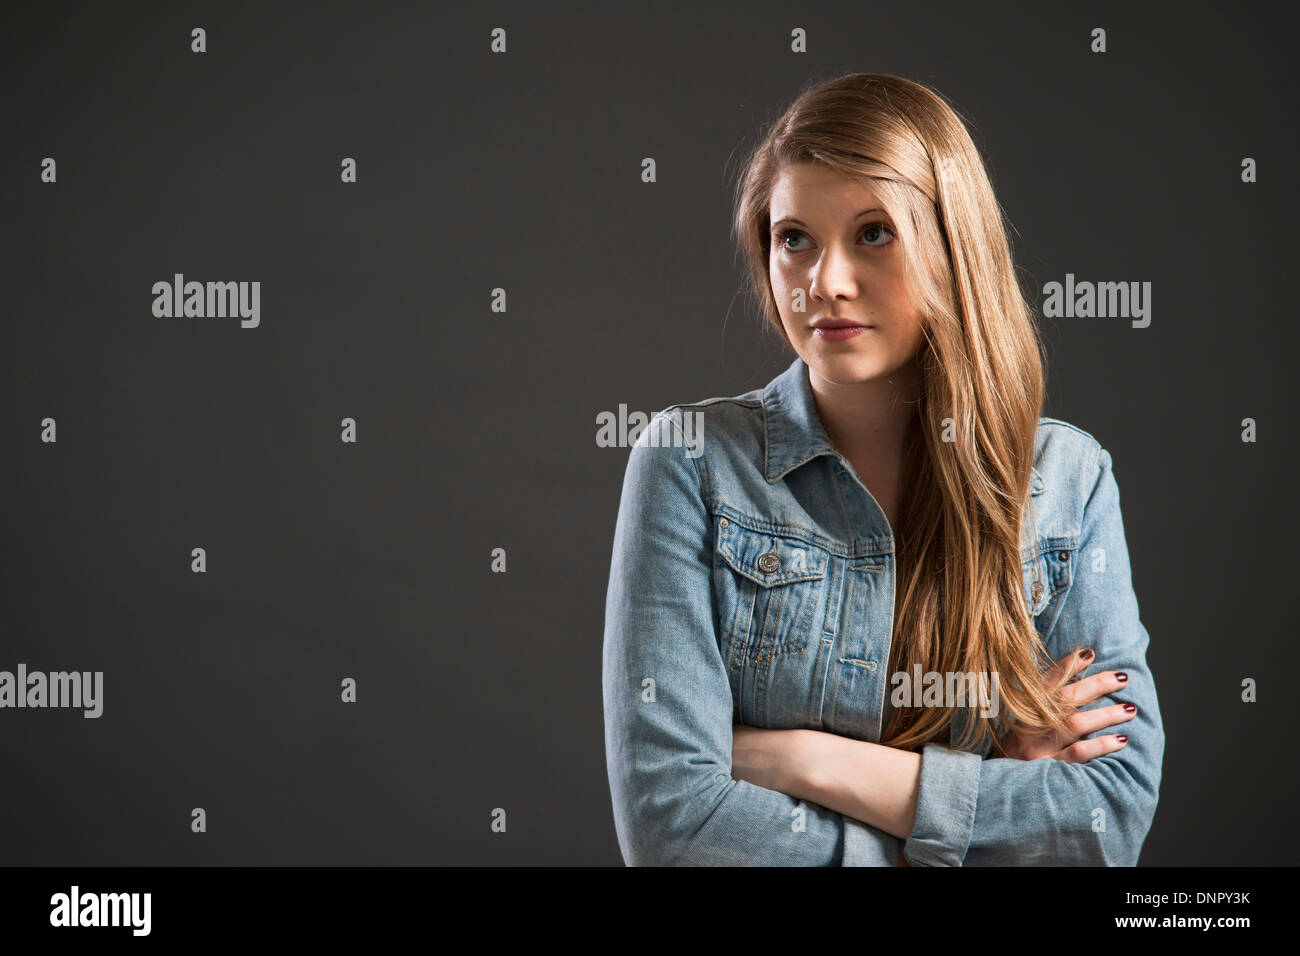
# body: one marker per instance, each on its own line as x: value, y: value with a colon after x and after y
x: 667, y: 700
x: 1006, y: 812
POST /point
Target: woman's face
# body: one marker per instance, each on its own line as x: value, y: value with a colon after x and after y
x: 832, y: 239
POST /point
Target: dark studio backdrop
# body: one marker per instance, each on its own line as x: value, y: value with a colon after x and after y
x: 372, y: 560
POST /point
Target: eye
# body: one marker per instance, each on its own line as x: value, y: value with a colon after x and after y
x: 783, y: 236
x: 878, y: 229
x: 873, y: 231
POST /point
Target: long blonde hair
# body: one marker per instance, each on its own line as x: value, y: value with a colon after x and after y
x: 959, y: 604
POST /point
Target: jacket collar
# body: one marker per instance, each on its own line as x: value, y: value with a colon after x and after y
x: 794, y: 432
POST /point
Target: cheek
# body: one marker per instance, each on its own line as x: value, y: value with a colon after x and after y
x: 775, y: 277
x: 916, y: 334
x: 904, y: 307
x: 780, y: 292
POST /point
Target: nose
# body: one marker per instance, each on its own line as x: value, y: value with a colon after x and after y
x: 832, y: 276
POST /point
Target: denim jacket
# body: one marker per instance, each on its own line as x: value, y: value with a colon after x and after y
x: 752, y: 580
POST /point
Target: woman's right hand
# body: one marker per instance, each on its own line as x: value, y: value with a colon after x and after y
x: 1070, y: 748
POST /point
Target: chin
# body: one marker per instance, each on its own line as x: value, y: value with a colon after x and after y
x: 846, y: 369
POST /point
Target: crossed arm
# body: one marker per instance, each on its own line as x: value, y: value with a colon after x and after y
x: 871, y: 783
x: 669, y: 733
x: 879, y: 785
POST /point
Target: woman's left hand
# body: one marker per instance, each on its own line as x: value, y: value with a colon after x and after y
x: 765, y: 758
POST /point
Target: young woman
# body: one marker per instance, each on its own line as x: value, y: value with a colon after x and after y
x: 850, y: 622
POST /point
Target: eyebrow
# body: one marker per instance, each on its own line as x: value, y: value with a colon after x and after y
x: 798, y: 223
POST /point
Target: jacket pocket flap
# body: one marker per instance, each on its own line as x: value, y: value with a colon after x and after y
x: 770, y: 559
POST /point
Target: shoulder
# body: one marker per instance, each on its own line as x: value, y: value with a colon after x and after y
x: 1060, y: 444
x: 1058, y: 440
x: 712, y: 447
x: 734, y: 420
x: 1071, y: 464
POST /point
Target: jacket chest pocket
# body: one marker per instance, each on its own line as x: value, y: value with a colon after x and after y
x: 1047, y: 577
x: 773, y: 586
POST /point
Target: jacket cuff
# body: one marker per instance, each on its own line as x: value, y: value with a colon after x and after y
x: 945, y: 807
x: 866, y: 846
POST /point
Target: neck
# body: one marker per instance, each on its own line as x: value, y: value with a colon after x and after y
x: 868, y: 418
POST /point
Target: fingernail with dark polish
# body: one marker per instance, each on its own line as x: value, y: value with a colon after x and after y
x: 1121, y: 677
x: 1085, y: 655
x: 1122, y: 738
x: 1130, y: 708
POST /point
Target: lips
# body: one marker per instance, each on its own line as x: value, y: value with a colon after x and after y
x: 839, y: 324
x: 841, y: 332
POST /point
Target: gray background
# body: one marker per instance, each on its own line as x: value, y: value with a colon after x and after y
x: 481, y: 690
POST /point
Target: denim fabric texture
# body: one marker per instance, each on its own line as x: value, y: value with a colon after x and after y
x: 752, y: 580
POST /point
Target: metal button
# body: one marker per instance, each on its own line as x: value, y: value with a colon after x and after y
x: 769, y: 562
x: 724, y: 523
x: 1065, y: 555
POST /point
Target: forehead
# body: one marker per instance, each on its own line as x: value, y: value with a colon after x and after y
x: 813, y: 189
